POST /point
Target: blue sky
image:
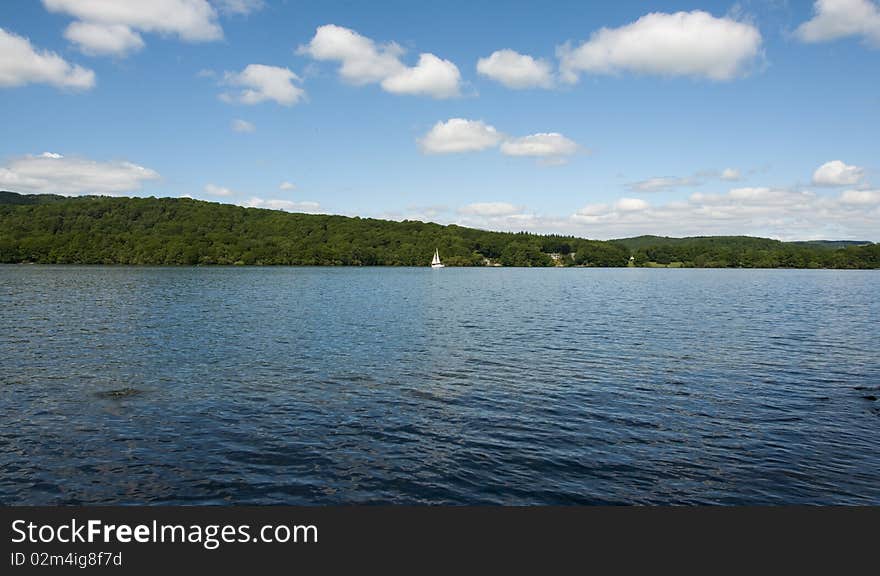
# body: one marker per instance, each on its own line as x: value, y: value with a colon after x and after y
x: 598, y: 119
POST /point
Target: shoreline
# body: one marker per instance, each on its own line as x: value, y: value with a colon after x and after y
x: 374, y: 266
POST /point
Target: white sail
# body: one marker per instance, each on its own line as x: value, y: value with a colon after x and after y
x: 435, y: 263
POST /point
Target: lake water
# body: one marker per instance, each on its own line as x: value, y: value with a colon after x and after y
x: 458, y: 386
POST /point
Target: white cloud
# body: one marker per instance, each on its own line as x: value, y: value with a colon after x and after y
x: 260, y: 83
x: 760, y: 193
x: 631, y: 205
x: 757, y: 211
x: 51, y: 173
x: 681, y: 44
x: 516, y: 70
x: 861, y: 197
x: 731, y: 174
x: 835, y: 19
x: 759, y: 199
x: 459, y: 135
x: 21, y: 63
x: 592, y: 210
x: 623, y: 205
x: 432, y: 76
x: 661, y: 184
x: 837, y: 173
x: 287, y: 186
x: 112, y: 26
x: 215, y: 190
x: 490, y: 209
x: 666, y: 183
x: 278, y: 204
x: 787, y: 214
x: 192, y: 20
x: 505, y: 217
x: 239, y: 6
x: 542, y: 145
x: 362, y: 61
x: 104, y: 39
x: 239, y: 125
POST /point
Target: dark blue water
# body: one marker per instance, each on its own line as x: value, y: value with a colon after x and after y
x: 463, y: 386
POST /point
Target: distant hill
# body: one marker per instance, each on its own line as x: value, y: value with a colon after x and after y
x: 642, y: 242
x: 833, y: 243
x: 13, y: 198
x: 638, y: 242
x: 105, y: 230
x: 181, y: 231
x: 751, y: 252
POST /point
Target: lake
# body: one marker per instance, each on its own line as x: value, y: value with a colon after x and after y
x: 239, y: 385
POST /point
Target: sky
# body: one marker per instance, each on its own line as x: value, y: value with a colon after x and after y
x: 598, y: 119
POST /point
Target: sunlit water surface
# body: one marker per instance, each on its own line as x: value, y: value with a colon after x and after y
x: 461, y: 386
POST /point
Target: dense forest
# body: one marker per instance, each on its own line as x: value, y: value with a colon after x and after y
x: 104, y: 230
x: 749, y: 252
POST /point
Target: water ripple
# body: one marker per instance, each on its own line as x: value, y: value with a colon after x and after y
x: 512, y: 386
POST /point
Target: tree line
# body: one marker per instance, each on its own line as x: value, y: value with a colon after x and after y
x: 182, y: 231
x: 749, y: 252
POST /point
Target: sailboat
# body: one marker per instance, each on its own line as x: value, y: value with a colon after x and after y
x: 435, y: 263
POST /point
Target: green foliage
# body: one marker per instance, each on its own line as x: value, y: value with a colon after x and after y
x: 747, y: 252
x: 594, y: 253
x: 101, y: 230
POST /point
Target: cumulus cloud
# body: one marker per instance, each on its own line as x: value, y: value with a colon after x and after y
x: 490, y: 209
x: 51, y: 173
x: 215, y: 190
x: 545, y: 145
x: 279, y: 204
x: 837, y: 173
x: 731, y: 174
x: 287, y: 186
x: 239, y: 125
x: 681, y: 44
x: 104, y: 39
x: 260, y: 83
x: 432, y: 76
x: 459, y: 135
x: 21, y: 63
x: 833, y: 19
x: 108, y: 27
x: 516, y: 70
x: 363, y: 61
